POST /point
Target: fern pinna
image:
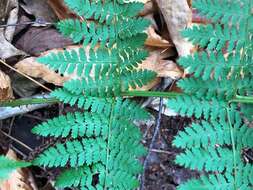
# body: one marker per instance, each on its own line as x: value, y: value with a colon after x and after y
x: 101, y: 144
x: 222, y: 72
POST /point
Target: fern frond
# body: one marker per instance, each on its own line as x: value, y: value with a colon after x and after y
x: 75, y: 153
x: 110, y: 86
x: 191, y: 106
x: 211, y: 182
x: 222, y: 89
x: 210, y: 159
x: 103, y: 12
x: 94, y: 33
x: 74, y: 125
x: 216, y: 66
x: 7, y: 166
x: 100, y: 62
x: 213, y: 133
x: 224, y: 11
x: 216, y: 37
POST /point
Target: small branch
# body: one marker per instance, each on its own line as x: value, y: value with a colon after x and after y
x: 7, y: 112
x: 151, y: 146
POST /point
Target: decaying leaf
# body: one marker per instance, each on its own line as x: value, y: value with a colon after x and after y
x: 61, y: 10
x: 32, y: 68
x: 40, y: 9
x: 5, y: 87
x: 177, y: 15
x: 154, y: 40
x: 8, y: 15
x: 163, y: 68
x: 18, y: 180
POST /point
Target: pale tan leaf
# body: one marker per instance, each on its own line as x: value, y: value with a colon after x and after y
x: 30, y: 67
x: 163, y: 68
x: 6, y: 92
x: 18, y: 180
x: 154, y: 40
x: 177, y: 15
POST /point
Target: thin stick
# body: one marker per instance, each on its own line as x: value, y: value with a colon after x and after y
x: 46, y: 88
x: 151, y: 146
x: 17, y: 141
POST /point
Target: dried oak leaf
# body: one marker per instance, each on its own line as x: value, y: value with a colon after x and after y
x: 6, y: 92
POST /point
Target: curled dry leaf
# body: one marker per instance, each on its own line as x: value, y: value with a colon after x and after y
x: 163, y: 68
x: 9, y: 10
x: 19, y: 179
x: 6, y: 92
x: 154, y: 40
x: 177, y: 15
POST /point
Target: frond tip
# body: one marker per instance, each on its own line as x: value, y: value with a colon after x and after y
x: 7, y: 166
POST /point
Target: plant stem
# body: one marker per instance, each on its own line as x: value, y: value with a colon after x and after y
x: 21, y: 102
x: 137, y: 93
x: 242, y: 99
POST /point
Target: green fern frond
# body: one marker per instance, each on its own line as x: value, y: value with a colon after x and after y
x: 211, y: 182
x: 216, y: 37
x: 93, y: 63
x: 228, y: 181
x: 223, y: 89
x: 110, y: 86
x: 74, y: 125
x: 94, y: 33
x: 75, y: 153
x: 216, y: 66
x: 103, y: 12
x: 215, y: 133
x: 209, y: 159
x: 224, y: 11
x: 191, y: 106
x: 7, y: 166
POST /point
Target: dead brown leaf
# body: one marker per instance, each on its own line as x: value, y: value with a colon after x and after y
x: 37, y: 40
x: 163, y: 68
x: 32, y: 68
x: 5, y: 87
x: 154, y: 40
x: 61, y: 10
x: 18, y: 180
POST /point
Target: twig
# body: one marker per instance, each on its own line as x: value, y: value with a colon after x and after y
x: 30, y: 78
x: 161, y: 151
x: 151, y: 146
x: 6, y: 112
x: 17, y: 141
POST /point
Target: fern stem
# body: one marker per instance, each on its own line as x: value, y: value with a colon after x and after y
x: 137, y: 93
x: 242, y: 99
x: 233, y: 147
x: 23, y: 102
